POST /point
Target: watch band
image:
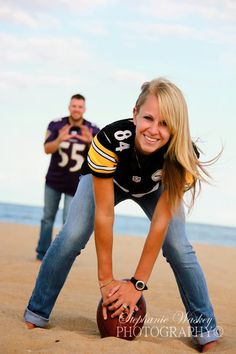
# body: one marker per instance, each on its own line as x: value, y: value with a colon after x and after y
x: 139, y: 284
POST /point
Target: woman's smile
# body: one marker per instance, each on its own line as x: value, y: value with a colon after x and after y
x: 152, y: 131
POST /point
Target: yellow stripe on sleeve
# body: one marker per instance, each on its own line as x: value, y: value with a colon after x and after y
x: 104, y: 150
x: 100, y: 159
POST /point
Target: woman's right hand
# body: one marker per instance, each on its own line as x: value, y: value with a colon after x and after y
x: 113, y: 287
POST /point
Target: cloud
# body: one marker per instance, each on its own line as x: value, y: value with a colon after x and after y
x: 223, y: 10
x: 17, y: 16
x: 16, y: 80
x: 85, y: 6
x: 45, y: 62
x: 41, y: 12
x: 129, y: 76
x: 92, y: 27
x: 23, y: 17
x: 156, y: 31
x: 44, y: 51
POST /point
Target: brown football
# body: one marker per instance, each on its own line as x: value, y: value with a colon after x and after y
x: 120, y: 327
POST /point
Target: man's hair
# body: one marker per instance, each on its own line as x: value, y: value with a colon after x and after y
x: 78, y: 97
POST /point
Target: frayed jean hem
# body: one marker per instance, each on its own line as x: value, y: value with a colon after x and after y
x: 37, y: 320
x: 206, y: 337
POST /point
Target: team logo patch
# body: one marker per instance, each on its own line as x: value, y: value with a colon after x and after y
x: 156, y: 176
x: 136, y: 179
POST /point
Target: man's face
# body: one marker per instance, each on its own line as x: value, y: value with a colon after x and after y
x: 77, y: 109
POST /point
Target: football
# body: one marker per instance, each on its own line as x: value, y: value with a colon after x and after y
x: 122, y: 327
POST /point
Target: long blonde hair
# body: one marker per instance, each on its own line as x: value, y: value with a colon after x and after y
x: 182, y: 170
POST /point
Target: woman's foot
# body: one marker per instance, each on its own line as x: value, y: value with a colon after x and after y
x: 208, y: 346
x: 30, y: 325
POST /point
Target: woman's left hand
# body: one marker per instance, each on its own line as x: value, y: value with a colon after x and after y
x: 125, y: 298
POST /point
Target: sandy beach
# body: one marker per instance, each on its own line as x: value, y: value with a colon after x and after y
x: 73, y: 326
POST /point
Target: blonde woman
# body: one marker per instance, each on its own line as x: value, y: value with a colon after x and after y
x: 151, y: 160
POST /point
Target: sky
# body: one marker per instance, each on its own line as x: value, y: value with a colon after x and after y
x: 105, y: 50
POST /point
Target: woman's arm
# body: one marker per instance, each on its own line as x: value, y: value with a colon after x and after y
x: 127, y: 293
x: 103, y: 228
x: 158, y: 228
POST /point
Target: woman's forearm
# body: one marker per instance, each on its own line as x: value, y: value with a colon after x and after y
x: 103, y: 227
x: 158, y: 229
x: 104, y: 242
x: 150, y: 253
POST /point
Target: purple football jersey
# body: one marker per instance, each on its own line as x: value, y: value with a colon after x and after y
x: 64, y: 169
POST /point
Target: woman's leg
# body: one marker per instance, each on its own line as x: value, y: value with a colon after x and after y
x: 62, y: 253
x: 189, y: 276
x: 67, y: 201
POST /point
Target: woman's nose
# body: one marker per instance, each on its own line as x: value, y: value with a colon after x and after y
x: 154, y: 128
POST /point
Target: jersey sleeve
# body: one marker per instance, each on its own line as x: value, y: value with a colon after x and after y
x: 102, y: 160
x: 51, y: 133
x: 95, y: 130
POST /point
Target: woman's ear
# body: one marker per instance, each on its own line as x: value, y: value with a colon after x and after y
x: 135, y: 115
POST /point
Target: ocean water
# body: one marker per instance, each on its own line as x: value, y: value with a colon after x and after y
x: 124, y: 225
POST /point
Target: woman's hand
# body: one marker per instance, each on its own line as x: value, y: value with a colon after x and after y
x: 122, y: 296
x: 106, y: 291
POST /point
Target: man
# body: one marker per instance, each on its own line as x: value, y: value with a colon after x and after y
x: 67, y: 140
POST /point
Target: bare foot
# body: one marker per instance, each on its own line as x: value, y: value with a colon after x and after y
x: 209, y: 346
x: 30, y: 325
x: 38, y: 261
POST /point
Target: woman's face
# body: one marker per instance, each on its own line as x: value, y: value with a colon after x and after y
x: 151, y: 130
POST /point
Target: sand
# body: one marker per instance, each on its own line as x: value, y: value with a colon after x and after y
x: 73, y: 326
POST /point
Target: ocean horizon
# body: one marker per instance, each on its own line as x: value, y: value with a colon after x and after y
x: 124, y: 224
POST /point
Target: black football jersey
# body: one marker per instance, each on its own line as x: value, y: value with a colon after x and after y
x: 113, y: 154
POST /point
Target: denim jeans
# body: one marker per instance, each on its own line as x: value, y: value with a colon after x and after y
x: 51, y: 204
x: 76, y: 233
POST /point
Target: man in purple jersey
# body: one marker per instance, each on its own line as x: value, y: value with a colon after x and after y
x: 67, y: 140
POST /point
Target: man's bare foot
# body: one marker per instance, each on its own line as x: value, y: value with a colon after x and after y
x: 209, y: 346
x: 30, y: 325
x: 38, y: 261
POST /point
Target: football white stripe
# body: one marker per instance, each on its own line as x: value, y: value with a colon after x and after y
x: 100, y: 152
x: 100, y: 167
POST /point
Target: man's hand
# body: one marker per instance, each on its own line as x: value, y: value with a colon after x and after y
x: 85, y: 134
x: 64, y: 133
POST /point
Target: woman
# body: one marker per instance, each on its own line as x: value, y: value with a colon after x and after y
x: 151, y: 160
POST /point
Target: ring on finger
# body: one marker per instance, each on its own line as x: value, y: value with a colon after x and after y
x: 124, y: 306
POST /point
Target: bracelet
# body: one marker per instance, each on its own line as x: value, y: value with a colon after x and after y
x: 107, y: 283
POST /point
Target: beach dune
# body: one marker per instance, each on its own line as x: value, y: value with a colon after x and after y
x: 73, y: 326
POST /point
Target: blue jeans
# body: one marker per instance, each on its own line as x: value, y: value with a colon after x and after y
x: 76, y: 233
x: 51, y: 204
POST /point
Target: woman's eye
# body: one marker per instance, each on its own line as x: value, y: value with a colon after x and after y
x: 147, y: 117
x: 163, y: 123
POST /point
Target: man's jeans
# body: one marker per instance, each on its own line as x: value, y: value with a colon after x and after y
x: 51, y: 205
x: 76, y: 233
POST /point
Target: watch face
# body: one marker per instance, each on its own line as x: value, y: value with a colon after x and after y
x: 140, y: 285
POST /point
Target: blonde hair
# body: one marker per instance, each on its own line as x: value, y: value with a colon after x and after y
x: 182, y: 170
